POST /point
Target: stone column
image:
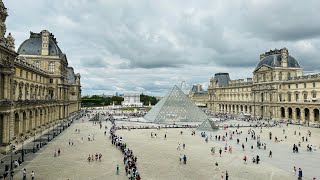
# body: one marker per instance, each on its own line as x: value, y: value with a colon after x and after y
x: 6, y: 87
x: 294, y: 114
x: 1, y: 87
x: 311, y: 114
x: 5, y: 129
x: 286, y: 113
x: 302, y: 113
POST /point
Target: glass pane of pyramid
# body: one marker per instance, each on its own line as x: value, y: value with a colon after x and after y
x: 207, y: 125
x: 175, y: 107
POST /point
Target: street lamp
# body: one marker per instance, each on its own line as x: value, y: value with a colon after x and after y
x: 34, y: 142
x: 40, y: 136
x: 22, y: 150
x: 48, y: 132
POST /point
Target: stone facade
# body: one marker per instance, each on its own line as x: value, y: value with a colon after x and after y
x: 37, y: 88
x: 131, y: 100
x: 198, y: 95
x: 278, y: 90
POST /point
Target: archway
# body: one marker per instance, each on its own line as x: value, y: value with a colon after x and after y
x: 237, y: 108
x: 16, y: 124
x: 316, y: 114
x: 233, y: 109
x: 24, y: 122
x: 246, y: 108
x: 307, y: 114
x: 283, y: 115
x: 290, y: 112
x: 261, y: 111
x: 241, y: 108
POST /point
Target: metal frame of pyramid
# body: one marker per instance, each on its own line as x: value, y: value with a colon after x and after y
x: 208, y: 125
x: 175, y: 107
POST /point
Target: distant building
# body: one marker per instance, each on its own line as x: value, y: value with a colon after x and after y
x: 198, y: 95
x: 131, y: 100
x: 277, y: 90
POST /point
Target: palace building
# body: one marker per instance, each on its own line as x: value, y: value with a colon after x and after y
x: 278, y: 90
x: 38, y: 88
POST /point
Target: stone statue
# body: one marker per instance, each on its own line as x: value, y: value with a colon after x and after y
x: 10, y: 42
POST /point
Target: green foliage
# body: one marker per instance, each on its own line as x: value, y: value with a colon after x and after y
x: 145, y: 99
x: 96, y: 100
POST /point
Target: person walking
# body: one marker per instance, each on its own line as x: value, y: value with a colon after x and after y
x: 245, y: 159
x: 227, y: 175
x: 117, y: 169
x: 32, y: 175
x: 24, y: 174
x: 300, y: 174
x: 270, y: 154
x: 294, y: 171
x: 220, y: 151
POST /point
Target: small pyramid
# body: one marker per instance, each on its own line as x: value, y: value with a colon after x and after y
x: 175, y: 107
x: 207, y: 125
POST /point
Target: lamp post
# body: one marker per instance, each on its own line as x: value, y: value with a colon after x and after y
x: 34, y: 143
x: 48, y: 132
x: 22, y: 150
x: 40, y: 136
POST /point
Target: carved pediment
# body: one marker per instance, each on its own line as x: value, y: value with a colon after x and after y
x: 263, y: 68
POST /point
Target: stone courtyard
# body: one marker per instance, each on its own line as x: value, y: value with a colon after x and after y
x: 158, y: 158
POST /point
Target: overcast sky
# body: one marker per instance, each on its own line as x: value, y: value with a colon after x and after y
x: 148, y: 46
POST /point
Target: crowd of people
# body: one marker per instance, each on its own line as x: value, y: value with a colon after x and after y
x: 129, y: 159
x: 96, y: 157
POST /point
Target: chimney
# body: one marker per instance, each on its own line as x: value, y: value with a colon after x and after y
x: 45, y: 43
x: 284, y: 57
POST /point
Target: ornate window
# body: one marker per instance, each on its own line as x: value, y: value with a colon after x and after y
x: 305, y: 85
x: 305, y: 97
x: 37, y: 64
x: 314, y: 84
x: 51, y: 67
x: 280, y: 76
x: 289, y: 97
x: 297, y: 97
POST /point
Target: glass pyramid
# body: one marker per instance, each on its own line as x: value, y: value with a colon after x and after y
x: 207, y: 125
x: 175, y: 107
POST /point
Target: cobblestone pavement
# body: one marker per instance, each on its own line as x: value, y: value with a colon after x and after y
x: 72, y: 164
x: 159, y: 158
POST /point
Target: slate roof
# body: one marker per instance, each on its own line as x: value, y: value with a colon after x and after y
x: 274, y: 60
x: 33, y: 46
x: 222, y: 79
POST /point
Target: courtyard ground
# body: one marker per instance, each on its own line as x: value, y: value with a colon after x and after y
x: 158, y: 158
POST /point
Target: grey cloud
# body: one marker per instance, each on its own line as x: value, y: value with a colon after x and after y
x: 151, y: 46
